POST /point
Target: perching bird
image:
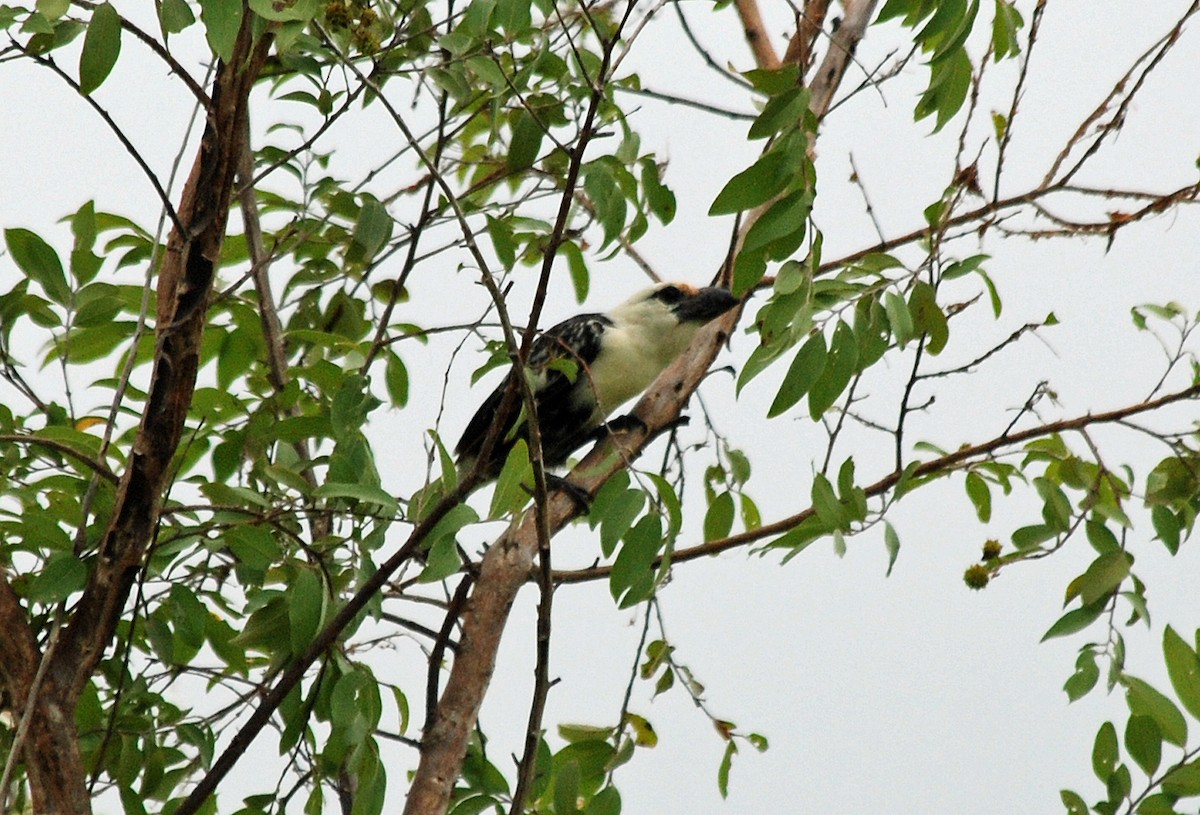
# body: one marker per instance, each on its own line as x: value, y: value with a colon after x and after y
x: 616, y: 356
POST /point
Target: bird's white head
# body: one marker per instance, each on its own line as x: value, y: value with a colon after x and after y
x: 666, y: 316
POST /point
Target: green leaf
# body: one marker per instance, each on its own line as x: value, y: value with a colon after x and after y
x: 305, y: 600
x: 291, y: 10
x: 577, y: 266
x: 52, y: 9
x: 615, y: 509
x: 174, y: 16
x: 475, y: 804
x: 723, y: 770
x: 1074, y: 804
x: 1160, y: 803
x: 63, y: 575
x: 90, y: 343
x: 840, y: 366
x: 1028, y: 537
x: 602, y: 186
x: 757, y: 184
x: 101, y: 47
x: 948, y: 85
x: 441, y: 561
x: 779, y: 231
x: 39, y: 262
x: 1087, y: 673
x: 1183, y: 781
x: 806, y: 368
x: 1167, y: 527
x: 365, y: 493
x: 961, y: 268
x: 1005, y: 25
x: 188, y: 617
x: 1101, y: 537
x: 512, y: 16
x: 892, y: 542
x: 1184, y: 669
x: 928, y: 317
x: 1145, y: 700
x: 222, y: 20
x: 1056, y: 509
x: 606, y: 802
x: 517, y: 474
x: 566, y: 788
x: 1143, y: 740
x: 773, y: 82
x: 825, y: 502
x: 500, y: 230
x: 396, y: 380
x: 632, y: 577
x: 1105, y: 751
x: 1075, y: 620
x: 718, y: 520
x: 441, y: 539
x: 659, y: 197
x: 899, y: 317
x: 781, y: 112
x: 527, y: 134
x: 1101, y: 579
x: 980, y: 495
x: 372, y: 230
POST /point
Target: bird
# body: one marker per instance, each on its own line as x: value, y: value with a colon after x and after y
x: 587, y: 366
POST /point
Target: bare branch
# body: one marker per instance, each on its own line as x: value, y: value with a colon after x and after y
x: 756, y: 34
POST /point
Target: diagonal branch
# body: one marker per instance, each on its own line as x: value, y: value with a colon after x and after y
x: 941, y: 465
x: 508, y: 561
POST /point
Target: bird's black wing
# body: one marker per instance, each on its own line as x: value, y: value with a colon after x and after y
x: 565, y: 401
x: 559, y: 415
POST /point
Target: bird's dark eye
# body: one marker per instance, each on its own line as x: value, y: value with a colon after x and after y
x: 669, y: 295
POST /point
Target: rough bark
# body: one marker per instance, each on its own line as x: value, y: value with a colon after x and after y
x: 52, y: 760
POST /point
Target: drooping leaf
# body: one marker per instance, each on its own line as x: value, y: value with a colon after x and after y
x: 1105, y: 751
x: 806, y: 368
x: 222, y: 20
x: 1075, y: 620
x: 757, y: 184
x: 1183, y: 667
x: 1143, y: 740
x: 1145, y: 700
x: 101, y: 47
x: 718, y: 520
x: 840, y: 367
x: 39, y: 262
x: 527, y: 134
x: 513, y: 482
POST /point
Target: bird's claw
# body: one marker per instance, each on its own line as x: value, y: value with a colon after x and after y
x: 576, y: 493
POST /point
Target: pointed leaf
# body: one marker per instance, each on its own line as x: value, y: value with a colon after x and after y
x: 1184, y: 670
x: 805, y: 370
x: 39, y: 262
x: 101, y: 46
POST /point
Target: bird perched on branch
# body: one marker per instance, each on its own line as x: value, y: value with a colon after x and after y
x: 584, y: 368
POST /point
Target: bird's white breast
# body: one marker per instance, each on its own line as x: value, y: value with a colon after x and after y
x: 633, y: 356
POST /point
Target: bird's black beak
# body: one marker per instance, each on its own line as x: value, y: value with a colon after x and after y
x: 704, y: 305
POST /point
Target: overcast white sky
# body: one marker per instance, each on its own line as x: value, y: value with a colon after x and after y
x: 907, y: 694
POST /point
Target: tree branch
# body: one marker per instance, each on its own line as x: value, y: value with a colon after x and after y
x: 53, y: 762
x: 756, y: 34
x: 934, y: 467
x: 507, y: 562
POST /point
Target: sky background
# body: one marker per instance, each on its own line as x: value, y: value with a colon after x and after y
x: 901, y: 694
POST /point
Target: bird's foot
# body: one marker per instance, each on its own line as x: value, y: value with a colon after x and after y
x: 624, y: 423
x: 577, y: 493
x: 627, y: 422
